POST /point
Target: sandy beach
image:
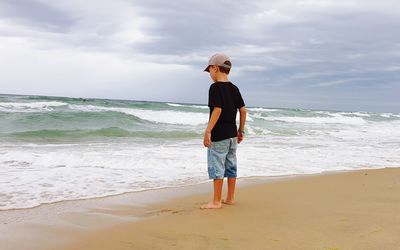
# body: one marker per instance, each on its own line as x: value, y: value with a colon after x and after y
x: 346, y: 210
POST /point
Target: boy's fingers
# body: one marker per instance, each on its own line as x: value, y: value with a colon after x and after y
x: 207, y: 143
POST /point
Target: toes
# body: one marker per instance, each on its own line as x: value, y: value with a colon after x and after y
x: 228, y: 202
x: 211, y: 206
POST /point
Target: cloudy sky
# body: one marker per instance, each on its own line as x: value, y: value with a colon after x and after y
x: 318, y: 54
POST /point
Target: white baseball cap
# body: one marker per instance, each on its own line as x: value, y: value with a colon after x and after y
x: 218, y: 60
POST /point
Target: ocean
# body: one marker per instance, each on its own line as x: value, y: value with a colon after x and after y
x: 56, y: 148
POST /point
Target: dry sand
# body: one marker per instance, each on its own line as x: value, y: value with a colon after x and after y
x: 348, y: 210
x: 353, y: 210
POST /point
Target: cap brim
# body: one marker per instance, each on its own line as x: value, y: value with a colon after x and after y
x: 208, y: 68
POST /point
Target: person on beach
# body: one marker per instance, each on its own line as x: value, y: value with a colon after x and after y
x: 221, y: 135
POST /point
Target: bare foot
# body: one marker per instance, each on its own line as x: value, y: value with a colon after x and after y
x: 211, y: 205
x: 228, y: 202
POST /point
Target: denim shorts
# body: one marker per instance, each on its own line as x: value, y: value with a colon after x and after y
x: 221, y: 159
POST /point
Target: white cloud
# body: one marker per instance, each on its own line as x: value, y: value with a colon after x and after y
x: 341, y: 81
x: 67, y: 71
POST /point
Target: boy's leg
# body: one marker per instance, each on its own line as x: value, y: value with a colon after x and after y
x: 230, y: 197
x: 216, y: 203
x: 218, y: 190
x: 216, y: 156
x: 231, y: 171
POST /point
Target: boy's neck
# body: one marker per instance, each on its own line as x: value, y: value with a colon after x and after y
x: 222, y: 78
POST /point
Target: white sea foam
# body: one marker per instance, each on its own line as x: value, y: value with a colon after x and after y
x: 338, y: 119
x: 29, y: 106
x: 255, y: 116
x: 390, y: 115
x: 187, y: 106
x: 382, y: 131
x: 174, y: 105
x: 262, y: 110
x: 32, y: 175
x: 35, y: 174
x: 158, y: 116
x: 355, y: 114
x: 255, y: 131
x: 199, y: 107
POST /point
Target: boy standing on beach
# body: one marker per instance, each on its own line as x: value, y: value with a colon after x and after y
x: 222, y: 136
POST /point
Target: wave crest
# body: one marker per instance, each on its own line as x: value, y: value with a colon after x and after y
x: 29, y: 106
x: 157, y: 116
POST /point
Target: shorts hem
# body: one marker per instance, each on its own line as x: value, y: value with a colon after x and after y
x: 216, y: 178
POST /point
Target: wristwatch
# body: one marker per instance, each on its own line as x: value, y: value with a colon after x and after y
x: 241, y: 131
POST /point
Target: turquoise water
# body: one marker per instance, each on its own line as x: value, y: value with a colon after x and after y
x: 62, y: 119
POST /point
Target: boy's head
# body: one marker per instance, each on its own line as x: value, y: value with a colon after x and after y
x: 219, y: 63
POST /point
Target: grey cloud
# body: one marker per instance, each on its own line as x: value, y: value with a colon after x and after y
x: 199, y: 27
x: 193, y: 25
x: 35, y: 13
x: 338, y: 47
x: 309, y: 54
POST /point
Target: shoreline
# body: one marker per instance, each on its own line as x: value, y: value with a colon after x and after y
x: 98, y: 213
x: 245, y: 179
x: 65, y: 222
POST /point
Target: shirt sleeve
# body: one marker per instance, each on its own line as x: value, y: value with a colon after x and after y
x: 240, y: 102
x: 214, y: 97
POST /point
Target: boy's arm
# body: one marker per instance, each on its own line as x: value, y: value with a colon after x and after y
x: 243, y: 113
x: 211, y: 123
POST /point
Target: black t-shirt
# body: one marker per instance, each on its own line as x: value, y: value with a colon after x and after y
x: 226, y: 96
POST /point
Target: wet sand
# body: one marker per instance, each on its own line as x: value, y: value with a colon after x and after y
x: 348, y: 210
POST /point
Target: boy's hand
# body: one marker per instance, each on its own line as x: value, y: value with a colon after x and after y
x: 240, y: 136
x: 207, y: 139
